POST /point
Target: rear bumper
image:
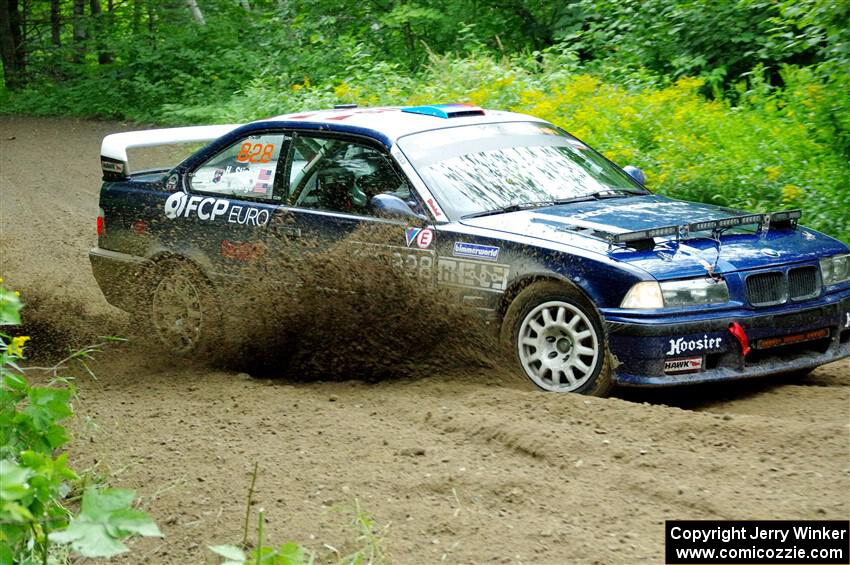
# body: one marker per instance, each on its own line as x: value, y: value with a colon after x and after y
x: 118, y: 276
x: 657, y: 352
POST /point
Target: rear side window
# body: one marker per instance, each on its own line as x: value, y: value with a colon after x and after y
x: 245, y: 170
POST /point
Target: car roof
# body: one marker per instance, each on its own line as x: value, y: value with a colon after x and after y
x: 389, y: 123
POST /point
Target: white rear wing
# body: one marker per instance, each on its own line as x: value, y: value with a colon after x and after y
x: 113, y: 150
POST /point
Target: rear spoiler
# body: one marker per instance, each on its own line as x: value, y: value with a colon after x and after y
x: 113, y: 150
x: 786, y: 219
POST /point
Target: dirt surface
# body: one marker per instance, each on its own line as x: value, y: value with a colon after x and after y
x: 457, y: 466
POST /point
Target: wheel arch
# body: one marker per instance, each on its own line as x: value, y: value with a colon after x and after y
x: 146, y: 273
x: 521, y: 283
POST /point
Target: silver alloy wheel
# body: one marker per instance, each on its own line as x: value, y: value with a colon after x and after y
x: 178, y: 314
x: 558, y: 346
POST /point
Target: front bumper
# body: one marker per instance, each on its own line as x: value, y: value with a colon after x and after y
x: 656, y: 351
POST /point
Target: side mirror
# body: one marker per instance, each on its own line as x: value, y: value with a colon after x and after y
x: 635, y: 173
x: 391, y: 206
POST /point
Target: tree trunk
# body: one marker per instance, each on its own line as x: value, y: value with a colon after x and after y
x: 104, y: 57
x: 79, y: 30
x: 195, y: 10
x: 11, y: 49
x: 55, y: 24
x: 137, y: 16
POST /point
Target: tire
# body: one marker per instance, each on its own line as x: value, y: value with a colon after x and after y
x: 181, y: 311
x: 557, y: 340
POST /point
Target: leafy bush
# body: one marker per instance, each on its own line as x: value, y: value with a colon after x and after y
x: 36, y: 483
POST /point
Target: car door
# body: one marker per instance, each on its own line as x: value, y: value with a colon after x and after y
x: 333, y: 184
x: 232, y: 199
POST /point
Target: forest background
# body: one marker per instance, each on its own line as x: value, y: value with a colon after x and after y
x: 743, y: 103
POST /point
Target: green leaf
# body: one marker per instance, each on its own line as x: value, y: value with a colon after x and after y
x: 128, y: 522
x: 47, y: 406
x: 100, y: 503
x: 89, y: 539
x: 13, y: 480
x: 232, y: 553
x: 105, y: 519
x: 291, y: 554
x: 10, y: 308
x: 14, y: 512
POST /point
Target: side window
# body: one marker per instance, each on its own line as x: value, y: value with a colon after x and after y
x: 341, y: 175
x: 246, y: 169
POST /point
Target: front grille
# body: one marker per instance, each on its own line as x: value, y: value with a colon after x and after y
x: 766, y: 288
x: 803, y: 283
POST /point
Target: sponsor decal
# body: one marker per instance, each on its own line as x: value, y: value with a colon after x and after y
x: 683, y: 365
x: 682, y: 345
x: 414, y: 262
x: 217, y: 175
x: 112, y: 166
x: 769, y: 342
x: 425, y: 238
x: 473, y: 274
x: 475, y: 251
x: 171, y: 183
x: 410, y: 235
x: 255, y: 152
x: 434, y: 208
x: 239, y: 251
x: 181, y: 204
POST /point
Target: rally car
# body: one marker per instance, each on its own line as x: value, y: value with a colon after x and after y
x: 591, y: 279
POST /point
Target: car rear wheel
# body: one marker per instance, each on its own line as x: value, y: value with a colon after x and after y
x: 557, y: 339
x: 183, y: 311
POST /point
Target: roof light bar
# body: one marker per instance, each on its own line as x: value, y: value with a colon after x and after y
x: 787, y: 217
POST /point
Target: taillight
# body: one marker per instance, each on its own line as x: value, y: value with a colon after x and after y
x: 100, y: 223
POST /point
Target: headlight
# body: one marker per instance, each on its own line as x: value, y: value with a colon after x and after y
x: 689, y: 292
x: 835, y: 269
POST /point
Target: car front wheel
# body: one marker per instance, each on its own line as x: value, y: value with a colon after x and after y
x: 557, y: 339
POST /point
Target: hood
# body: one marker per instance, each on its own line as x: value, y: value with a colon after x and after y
x: 586, y: 224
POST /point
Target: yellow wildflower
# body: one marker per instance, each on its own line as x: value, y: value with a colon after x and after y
x: 772, y: 173
x: 791, y: 192
x: 16, y: 348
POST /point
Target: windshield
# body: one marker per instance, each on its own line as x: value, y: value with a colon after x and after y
x: 479, y: 168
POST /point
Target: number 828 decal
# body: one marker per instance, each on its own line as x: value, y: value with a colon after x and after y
x: 255, y: 152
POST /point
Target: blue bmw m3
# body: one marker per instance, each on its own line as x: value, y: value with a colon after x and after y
x: 591, y: 279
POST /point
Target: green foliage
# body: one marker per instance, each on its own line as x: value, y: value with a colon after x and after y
x: 34, y: 480
x: 105, y: 519
x: 370, y: 549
